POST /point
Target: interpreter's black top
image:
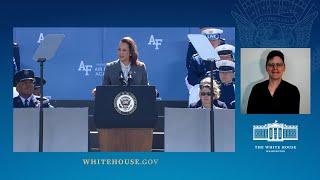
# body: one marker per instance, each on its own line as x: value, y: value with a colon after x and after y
x: 285, y: 100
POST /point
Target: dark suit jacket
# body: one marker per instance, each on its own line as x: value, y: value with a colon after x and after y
x: 113, y: 69
x: 285, y: 100
x: 34, y: 102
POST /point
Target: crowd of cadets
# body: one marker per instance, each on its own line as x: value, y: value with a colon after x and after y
x: 223, y: 70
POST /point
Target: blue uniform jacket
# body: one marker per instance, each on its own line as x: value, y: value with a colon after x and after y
x: 35, y: 102
x: 227, y: 95
x: 199, y: 69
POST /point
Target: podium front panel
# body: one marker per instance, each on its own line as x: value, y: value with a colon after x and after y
x: 108, y: 116
x: 224, y: 130
x: 188, y: 130
x: 65, y: 130
x: 25, y: 130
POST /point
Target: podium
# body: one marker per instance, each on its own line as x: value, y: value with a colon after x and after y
x: 125, y: 117
x: 64, y: 130
x: 188, y: 130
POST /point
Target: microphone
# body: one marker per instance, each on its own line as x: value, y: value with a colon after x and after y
x: 121, y: 78
x: 129, y: 78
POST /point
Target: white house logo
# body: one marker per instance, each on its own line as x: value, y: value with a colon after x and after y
x: 155, y: 42
x: 85, y: 67
x: 275, y: 132
x: 125, y: 103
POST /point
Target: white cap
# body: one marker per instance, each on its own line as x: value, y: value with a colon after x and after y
x: 212, y: 33
x: 225, y: 65
x: 225, y: 49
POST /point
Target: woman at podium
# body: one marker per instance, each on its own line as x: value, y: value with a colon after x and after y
x: 127, y: 69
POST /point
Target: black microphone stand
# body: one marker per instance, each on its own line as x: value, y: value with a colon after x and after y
x: 121, y: 79
x: 129, y: 78
x: 41, y: 61
x: 211, y: 109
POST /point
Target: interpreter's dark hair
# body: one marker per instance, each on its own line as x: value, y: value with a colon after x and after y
x: 133, y: 51
x: 273, y: 54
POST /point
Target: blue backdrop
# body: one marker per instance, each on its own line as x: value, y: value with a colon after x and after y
x: 79, y: 63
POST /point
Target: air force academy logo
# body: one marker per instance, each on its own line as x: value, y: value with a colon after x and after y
x: 155, y: 42
x: 125, y: 103
x: 86, y: 68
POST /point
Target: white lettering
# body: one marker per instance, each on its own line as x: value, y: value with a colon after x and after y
x: 41, y: 38
x: 86, y: 68
x: 151, y: 40
x: 155, y: 42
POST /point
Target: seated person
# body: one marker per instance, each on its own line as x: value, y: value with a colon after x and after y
x: 227, y: 86
x: 205, y: 93
x: 216, y: 102
x: 226, y: 52
x: 24, y: 80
